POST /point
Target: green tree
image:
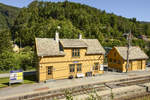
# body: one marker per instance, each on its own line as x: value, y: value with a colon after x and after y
x: 40, y: 19
x: 7, y: 61
x: 5, y: 41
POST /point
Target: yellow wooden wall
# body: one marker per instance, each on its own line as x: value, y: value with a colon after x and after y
x: 134, y: 64
x: 61, y: 64
x: 117, y: 58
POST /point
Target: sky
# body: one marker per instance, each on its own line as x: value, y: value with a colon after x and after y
x: 139, y: 9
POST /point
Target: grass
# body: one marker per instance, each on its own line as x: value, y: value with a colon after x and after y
x: 1, y: 72
x: 4, y: 82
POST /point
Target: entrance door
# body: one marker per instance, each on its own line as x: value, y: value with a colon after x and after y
x: 139, y: 64
x: 96, y: 68
x: 49, y: 72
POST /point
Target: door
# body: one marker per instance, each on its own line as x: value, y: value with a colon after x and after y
x: 139, y: 64
x: 49, y: 72
x: 96, y: 67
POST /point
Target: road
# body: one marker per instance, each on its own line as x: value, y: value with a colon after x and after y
x: 25, y: 73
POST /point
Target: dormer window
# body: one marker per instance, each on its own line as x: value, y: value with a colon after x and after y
x: 75, y: 52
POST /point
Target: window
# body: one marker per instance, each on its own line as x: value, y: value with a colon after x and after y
x: 75, y: 52
x: 79, y: 67
x: 96, y: 66
x: 114, y: 60
x: 72, y: 67
x: 119, y: 62
x: 110, y: 59
x: 49, y: 70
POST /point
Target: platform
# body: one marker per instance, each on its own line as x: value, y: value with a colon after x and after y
x: 58, y: 84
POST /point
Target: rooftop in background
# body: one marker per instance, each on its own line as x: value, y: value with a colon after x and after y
x: 134, y: 53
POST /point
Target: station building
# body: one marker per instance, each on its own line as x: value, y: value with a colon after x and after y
x: 63, y: 58
x: 117, y: 59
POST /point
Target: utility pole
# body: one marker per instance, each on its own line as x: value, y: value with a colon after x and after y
x: 20, y: 43
x: 128, y: 47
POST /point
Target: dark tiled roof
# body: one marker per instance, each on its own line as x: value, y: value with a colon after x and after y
x: 134, y: 53
x: 73, y: 43
x: 49, y: 47
x: 94, y: 47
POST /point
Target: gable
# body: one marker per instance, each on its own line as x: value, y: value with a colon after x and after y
x: 113, y: 53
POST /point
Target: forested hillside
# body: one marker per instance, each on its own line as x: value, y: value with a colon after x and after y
x: 7, y: 16
x: 40, y: 19
x: 8, y: 59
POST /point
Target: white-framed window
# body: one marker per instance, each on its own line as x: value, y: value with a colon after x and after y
x: 76, y: 52
x: 72, y: 68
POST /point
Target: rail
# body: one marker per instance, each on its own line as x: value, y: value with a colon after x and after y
x: 84, y: 89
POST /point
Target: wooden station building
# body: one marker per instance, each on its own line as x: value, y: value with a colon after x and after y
x: 62, y: 58
x: 117, y: 59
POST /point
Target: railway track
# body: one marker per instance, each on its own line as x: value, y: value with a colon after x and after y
x: 74, y: 91
x: 84, y: 89
x: 129, y: 82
